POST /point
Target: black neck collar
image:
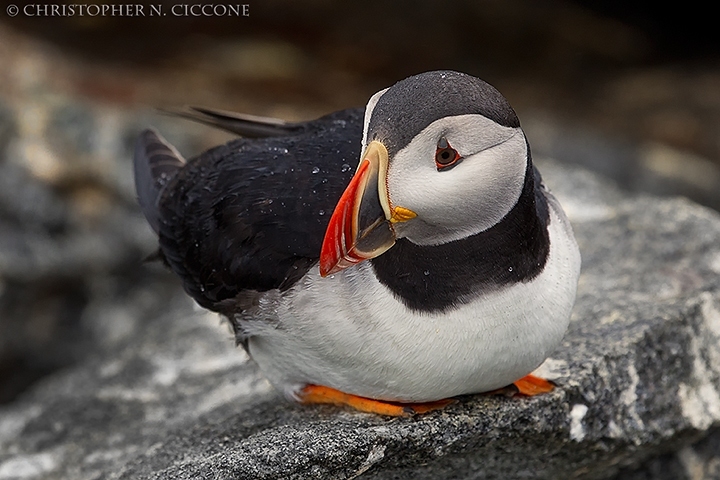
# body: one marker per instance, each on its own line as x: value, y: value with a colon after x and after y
x: 438, y: 278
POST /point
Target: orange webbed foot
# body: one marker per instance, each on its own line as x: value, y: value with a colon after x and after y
x: 319, y: 394
x: 530, y: 385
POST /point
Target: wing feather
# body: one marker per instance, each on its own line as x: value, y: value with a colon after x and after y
x: 250, y: 215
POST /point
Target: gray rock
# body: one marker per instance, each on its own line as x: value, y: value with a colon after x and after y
x: 8, y: 125
x: 168, y: 396
x: 637, y: 166
x: 698, y: 461
x: 68, y: 221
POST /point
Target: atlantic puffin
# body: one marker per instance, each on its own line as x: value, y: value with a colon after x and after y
x: 437, y: 266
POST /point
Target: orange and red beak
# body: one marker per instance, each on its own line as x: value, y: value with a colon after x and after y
x: 361, y: 227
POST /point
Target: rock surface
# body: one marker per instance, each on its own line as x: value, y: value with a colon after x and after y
x: 167, y: 395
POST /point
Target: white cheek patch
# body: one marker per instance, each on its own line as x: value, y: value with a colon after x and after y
x: 467, y: 199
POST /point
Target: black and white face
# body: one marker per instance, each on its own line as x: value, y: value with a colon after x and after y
x: 461, y: 174
x: 444, y: 158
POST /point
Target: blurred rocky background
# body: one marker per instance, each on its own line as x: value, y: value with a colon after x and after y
x: 627, y: 89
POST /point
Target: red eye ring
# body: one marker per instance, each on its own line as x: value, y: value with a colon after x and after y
x: 445, y: 155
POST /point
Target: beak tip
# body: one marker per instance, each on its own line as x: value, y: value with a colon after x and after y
x: 330, y: 266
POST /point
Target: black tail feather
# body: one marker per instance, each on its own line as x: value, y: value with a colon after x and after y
x: 249, y: 126
x: 156, y: 163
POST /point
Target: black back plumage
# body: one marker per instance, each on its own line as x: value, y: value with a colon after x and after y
x: 250, y: 215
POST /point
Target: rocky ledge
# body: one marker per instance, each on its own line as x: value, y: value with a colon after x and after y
x: 638, y: 375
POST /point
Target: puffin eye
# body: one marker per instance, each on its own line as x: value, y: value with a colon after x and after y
x: 445, y: 155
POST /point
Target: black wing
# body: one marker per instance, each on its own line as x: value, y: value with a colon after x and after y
x: 252, y: 214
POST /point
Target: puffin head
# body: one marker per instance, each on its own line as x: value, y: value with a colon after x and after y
x: 444, y: 158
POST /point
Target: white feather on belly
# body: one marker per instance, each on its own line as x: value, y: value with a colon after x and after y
x: 349, y: 332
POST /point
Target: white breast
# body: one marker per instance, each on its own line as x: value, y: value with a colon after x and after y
x: 349, y: 332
